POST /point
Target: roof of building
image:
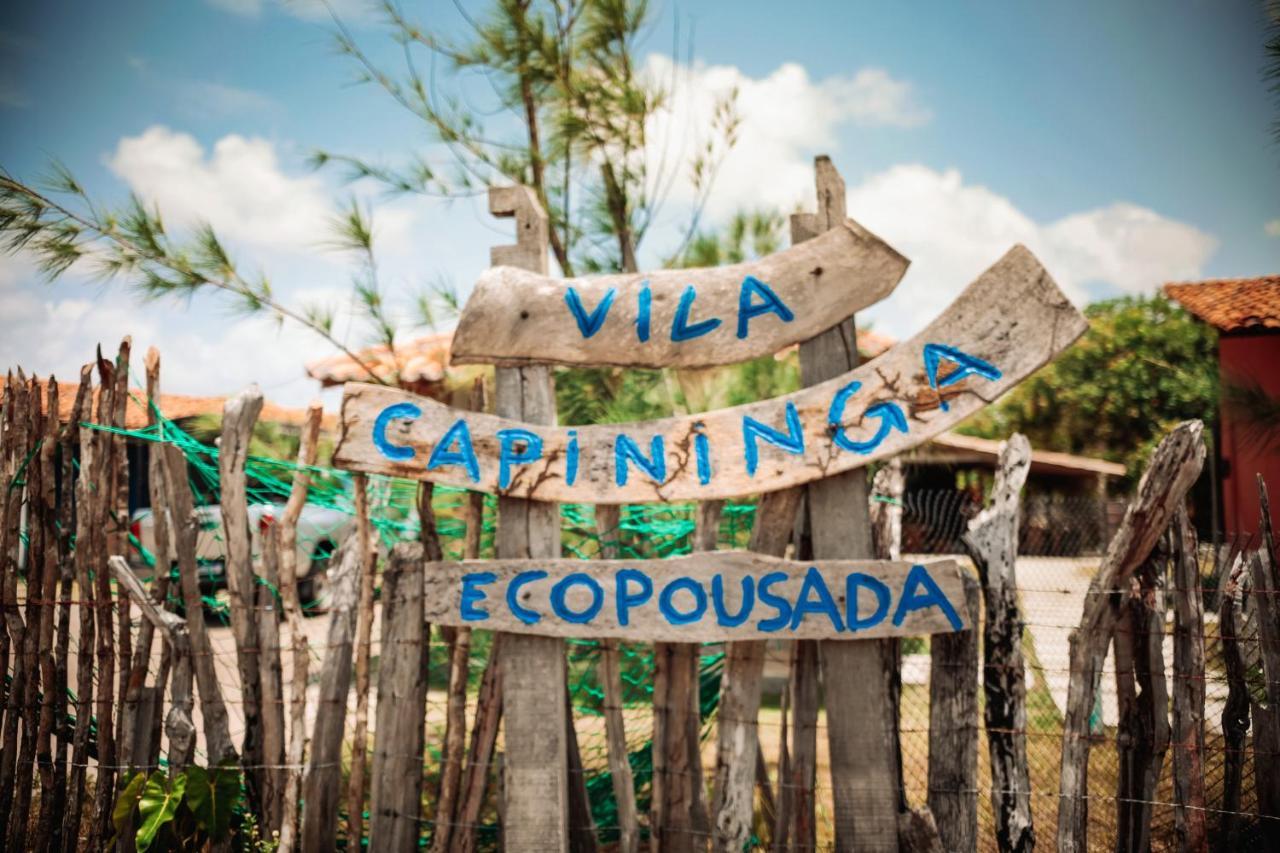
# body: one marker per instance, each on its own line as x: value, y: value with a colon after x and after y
x: 178, y: 407
x: 422, y: 360
x: 1231, y: 304
x: 954, y: 447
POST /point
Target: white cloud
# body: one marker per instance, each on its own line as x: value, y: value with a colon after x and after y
x: 239, y: 187
x: 785, y: 118
x: 308, y: 10
x: 55, y: 329
x: 952, y: 231
x: 1272, y: 228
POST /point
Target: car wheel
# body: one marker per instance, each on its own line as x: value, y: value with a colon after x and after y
x: 313, y: 588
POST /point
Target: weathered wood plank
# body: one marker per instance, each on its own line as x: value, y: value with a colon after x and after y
x: 953, y: 731
x: 677, y: 317
x: 1173, y: 469
x: 709, y: 597
x: 272, y: 670
x: 396, y: 773
x: 1010, y: 321
x: 992, y: 543
x: 535, y: 773
x: 1235, y: 711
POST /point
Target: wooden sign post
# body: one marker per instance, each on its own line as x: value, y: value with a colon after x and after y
x: 860, y: 718
x: 1008, y: 323
x: 535, y: 767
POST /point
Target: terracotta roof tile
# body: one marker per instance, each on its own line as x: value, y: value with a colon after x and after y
x: 1231, y: 304
x: 420, y: 361
x: 178, y: 407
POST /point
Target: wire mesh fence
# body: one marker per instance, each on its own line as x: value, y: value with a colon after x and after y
x: 1060, y: 546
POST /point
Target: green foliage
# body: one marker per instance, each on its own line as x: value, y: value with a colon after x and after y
x: 749, y: 234
x: 182, y: 812
x: 610, y: 395
x: 1143, y: 366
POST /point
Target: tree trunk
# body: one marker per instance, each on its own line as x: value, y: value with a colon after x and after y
x: 992, y: 543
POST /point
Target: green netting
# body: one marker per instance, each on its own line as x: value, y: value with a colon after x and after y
x: 644, y: 532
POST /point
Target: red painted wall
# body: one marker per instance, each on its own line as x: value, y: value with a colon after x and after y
x: 1252, y: 356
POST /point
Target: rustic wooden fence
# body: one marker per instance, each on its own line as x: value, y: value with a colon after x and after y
x: 127, y: 723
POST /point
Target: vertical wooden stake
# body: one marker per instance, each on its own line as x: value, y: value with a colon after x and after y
x: 219, y: 748
x: 272, y: 698
x: 953, y: 730
x: 536, y: 784
x: 239, y: 415
x: 396, y: 773
x: 737, y: 735
x: 364, y: 634
x: 28, y: 699
x: 992, y: 543
x: 110, y: 411
x: 286, y: 528
x: 608, y: 520
x: 455, y: 737
x: 1265, y: 580
x: 320, y: 786
x: 860, y: 716
x: 83, y: 709
x: 69, y: 441
x: 1174, y: 467
x: 1235, y: 711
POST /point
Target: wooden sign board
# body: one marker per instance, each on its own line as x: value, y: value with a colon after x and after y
x: 1009, y: 322
x: 707, y: 597
x: 677, y: 318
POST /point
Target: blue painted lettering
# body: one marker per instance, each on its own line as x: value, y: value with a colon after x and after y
x: 643, y: 306
x: 777, y: 602
x: 465, y: 455
x: 524, y: 614
x: 791, y: 441
x: 517, y: 446
x: 589, y: 323
x: 473, y: 595
x: 966, y: 365
x: 680, y: 328
x: 920, y: 591
x: 889, y: 414
x: 815, y: 598
x: 666, y: 601
x: 560, y: 591
x: 702, y: 450
x: 571, y: 459
x: 855, y: 582
x: 625, y: 450
x: 394, y: 452
x: 770, y: 304
x: 625, y: 600
x: 723, y: 616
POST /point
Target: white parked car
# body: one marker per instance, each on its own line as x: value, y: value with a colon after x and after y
x: 320, y: 531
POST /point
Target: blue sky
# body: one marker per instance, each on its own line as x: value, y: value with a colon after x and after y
x: 1128, y: 144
